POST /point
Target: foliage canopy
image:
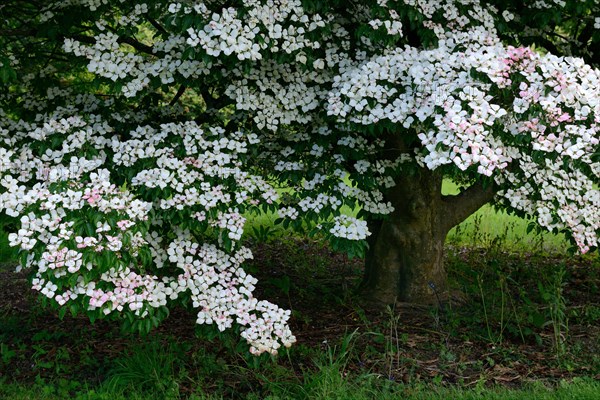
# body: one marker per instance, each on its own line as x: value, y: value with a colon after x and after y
x: 137, y: 137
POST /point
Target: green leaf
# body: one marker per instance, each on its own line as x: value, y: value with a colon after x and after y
x: 23, y: 258
x: 90, y: 229
x: 7, y: 74
x: 74, y: 308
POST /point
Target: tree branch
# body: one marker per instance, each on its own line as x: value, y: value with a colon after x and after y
x: 178, y: 95
x: 215, y: 103
x: 136, y: 45
x: 80, y: 38
x: 156, y: 25
x: 544, y: 42
x: 458, y: 207
x: 18, y: 32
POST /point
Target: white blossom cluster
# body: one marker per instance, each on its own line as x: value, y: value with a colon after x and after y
x: 475, y: 25
x: 135, y: 16
x: 568, y: 132
x: 327, y: 187
x: 548, y: 4
x: 393, y: 25
x: 209, y: 155
x: 109, y: 59
x: 349, y: 228
x: 372, y: 201
x: 275, y: 102
x: 411, y: 87
x: 567, y: 199
x: 57, y: 196
x: 279, y: 25
x: 458, y: 122
x: 222, y: 291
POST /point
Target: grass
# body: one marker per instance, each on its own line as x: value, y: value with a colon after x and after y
x: 487, y: 226
x: 149, y: 368
x: 330, y: 385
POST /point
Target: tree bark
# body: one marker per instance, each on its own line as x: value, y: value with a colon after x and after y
x: 405, y: 258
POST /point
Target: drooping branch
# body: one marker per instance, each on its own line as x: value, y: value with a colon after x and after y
x: 17, y: 32
x: 136, y: 44
x: 178, y: 95
x: 459, y: 207
x: 156, y: 25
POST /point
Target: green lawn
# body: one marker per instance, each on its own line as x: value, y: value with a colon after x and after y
x: 490, y: 227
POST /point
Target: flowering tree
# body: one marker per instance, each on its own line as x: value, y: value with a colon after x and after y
x: 138, y: 137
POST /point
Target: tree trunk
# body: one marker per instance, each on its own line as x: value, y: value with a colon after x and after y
x: 405, y: 258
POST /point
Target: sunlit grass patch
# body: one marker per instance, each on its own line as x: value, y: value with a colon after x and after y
x: 488, y: 227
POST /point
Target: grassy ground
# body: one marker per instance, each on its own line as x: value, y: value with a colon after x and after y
x: 488, y: 226
x: 529, y: 327
x: 336, y: 388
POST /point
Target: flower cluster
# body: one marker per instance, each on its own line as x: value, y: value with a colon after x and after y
x: 566, y: 199
x: 277, y: 25
x: 350, y: 228
x: 454, y: 117
x: 222, y: 291
x: 109, y: 59
x: 555, y: 111
x: 89, y: 239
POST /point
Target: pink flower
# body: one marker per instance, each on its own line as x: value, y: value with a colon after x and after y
x: 124, y: 224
